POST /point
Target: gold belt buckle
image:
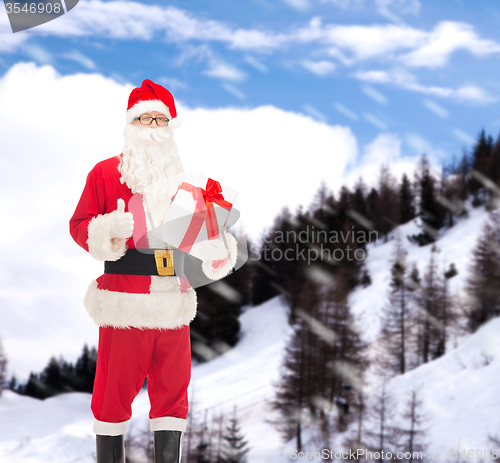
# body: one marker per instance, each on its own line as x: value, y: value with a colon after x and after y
x: 164, y: 262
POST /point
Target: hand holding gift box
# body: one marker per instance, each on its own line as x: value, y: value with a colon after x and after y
x: 201, y: 210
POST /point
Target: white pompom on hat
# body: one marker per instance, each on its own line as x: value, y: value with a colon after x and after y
x: 152, y: 97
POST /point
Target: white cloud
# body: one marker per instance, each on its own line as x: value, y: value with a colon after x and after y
x: 401, y: 78
x: 363, y: 42
x: 417, y: 143
x: 396, y: 42
x: 446, y: 38
x: 10, y: 42
x: 474, y: 94
x: 320, y: 68
x: 225, y: 71
x: 131, y: 20
x: 385, y: 149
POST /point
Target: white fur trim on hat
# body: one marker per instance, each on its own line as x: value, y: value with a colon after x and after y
x: 99, y: 240
x: 218, y: 273
x: 145, y: 106
x: 175, y: 123
x: 167, y: 423
x: 165, y: 307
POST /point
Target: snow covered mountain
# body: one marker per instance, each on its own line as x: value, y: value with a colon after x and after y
x: 459, y: 390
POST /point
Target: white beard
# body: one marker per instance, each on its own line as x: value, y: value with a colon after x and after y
x: 151, y: 165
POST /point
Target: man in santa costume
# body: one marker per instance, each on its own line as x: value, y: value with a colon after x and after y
x: 144, y: 302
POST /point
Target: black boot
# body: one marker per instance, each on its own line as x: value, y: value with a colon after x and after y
x: 168, y: 446
x: 110, y: 449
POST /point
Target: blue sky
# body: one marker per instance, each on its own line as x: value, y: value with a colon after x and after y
x: 427, y: 71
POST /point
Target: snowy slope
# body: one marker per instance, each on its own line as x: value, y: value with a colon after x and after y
x: 454, y: 245
x: 461, y: 392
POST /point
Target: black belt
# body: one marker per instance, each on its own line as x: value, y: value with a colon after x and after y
x: 162, y: 262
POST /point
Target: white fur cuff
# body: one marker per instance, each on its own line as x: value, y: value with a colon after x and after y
x: 109, y: 429
x: 99, y: 240
x: 168, y: 423
x: 221, y: 272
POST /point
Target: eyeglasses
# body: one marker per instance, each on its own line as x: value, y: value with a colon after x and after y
x: 147, y: 120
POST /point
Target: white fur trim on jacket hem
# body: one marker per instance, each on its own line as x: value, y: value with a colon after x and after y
x: 109, y: 429
x: 218, y: 273
x: 99, y: 240
x: 146, y: 106
x: 165, y: 307
x: 168, y: 423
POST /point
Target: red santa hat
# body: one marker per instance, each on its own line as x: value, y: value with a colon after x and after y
x: 152, y: 97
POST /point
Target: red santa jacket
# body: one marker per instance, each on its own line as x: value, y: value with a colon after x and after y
x: 142, y: 301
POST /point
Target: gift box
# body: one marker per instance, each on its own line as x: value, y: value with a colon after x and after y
x: 201, y: 209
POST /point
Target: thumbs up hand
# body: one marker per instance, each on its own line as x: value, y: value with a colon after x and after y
x: 123, y: 222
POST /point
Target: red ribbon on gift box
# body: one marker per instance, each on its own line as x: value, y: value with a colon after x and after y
x: 204, y: 211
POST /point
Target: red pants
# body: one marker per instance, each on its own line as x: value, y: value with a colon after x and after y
x: 126, y: 357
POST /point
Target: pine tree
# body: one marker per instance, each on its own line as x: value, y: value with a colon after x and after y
x: 431, y: 212
x: 495, y: 168
x: 359, y: 201
x: 52, y: 378
x: 481, y: 163
x: 429, y: 317
x: 266, y: 276
x: 446, y: 315
x: 406, y: 201
x: 381, y: 434
x: 397, y: 316
x: 387, y: 207
x: 234, y: 446
x: 482, y: 284
x: 413, y: 432
x: 372, y: 204
x: 355, y: 440
x: 34, y: 387
x: 323, y: 356
x: 3, y: 368
x: 294, y: 387
x: 84, y: 370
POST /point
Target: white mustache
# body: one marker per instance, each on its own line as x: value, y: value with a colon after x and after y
x: 148, y: 134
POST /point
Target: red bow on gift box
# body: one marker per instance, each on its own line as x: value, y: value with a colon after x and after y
x: 204, y: 211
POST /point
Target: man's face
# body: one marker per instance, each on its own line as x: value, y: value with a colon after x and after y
x: 153, y: 124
